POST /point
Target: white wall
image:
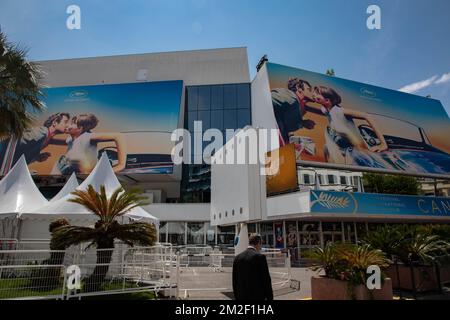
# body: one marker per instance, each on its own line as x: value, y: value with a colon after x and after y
x: 180, y: 212
x: 238, y: 191
x: 288, y: 204
x: 196, y: 67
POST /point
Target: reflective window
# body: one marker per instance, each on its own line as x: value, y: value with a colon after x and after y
x: 162, y: 231
x: 176, y: 234
x: 204, y: 98
x: 306, y: 179
x: 195, y: 232
x: 229, y: 119
x: 225, y: 235
x: 205, y: 118
x: 216, y: 97
x: 192, y: 98
x: 192, y: 116
x: 243, y: 96
x: 217, y: 119
x: 343, y: 180
x: 243, y: 118
x: 210, y: 234
x: 229, y: 99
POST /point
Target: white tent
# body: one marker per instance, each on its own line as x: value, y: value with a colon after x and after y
x: 18, y: 194
x: 102, y: 174
x: 70, y: 186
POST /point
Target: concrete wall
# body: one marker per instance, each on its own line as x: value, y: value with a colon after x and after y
x: 214, y: 66
x: 180, y: 212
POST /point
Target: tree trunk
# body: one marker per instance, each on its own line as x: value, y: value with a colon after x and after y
x: 95, y: 281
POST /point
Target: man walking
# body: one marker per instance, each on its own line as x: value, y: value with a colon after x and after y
x: 251, y: 278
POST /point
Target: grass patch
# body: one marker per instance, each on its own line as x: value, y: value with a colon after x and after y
x: 23, y: 288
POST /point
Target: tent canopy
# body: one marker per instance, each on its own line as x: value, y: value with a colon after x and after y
x: 69, y: 187
x: 18, y: 192
x: 102, y: 174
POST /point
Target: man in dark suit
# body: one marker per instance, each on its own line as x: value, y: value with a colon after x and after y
x: 251, y: 278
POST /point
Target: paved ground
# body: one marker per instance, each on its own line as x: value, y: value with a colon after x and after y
x: 213, y: 284
x: 206, y: 283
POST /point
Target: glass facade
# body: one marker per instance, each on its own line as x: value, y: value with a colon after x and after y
x: 219, y: 107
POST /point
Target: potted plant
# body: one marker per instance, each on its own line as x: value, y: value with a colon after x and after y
x: 413, y: 249
x: 345, y: 273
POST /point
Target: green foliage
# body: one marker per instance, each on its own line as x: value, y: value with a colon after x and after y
x: 410, y: 243
x: 391, y: 184
x: 107, y: 228
x: 348, y: 262
x: 20, y: 90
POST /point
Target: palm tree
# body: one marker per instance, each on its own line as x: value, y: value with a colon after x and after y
x: 330, y: 72
x: 106, y: 229
x: 20, y: 90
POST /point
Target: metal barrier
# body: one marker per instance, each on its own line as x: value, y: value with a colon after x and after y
x: 8, y: 244
x: 213, y: 273
x: 38, y: 274
x: 32, y: 282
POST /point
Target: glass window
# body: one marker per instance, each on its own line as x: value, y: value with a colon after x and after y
x: 321, y: 179
x: 243, y: 96
x: 192, y: 116
x: 217, y: 119
x: 205, y: 118
x: 267, y: 234
x: 192, y: 95
x: 291, y: 234
x: 355, y: 181
x: 210, y: 234
x: 225, y: 235
x: 230, y: 119
x: 216, y: 97
x: 308, y: 226
x: 229, y: 96
x: 251, y: 228
x: 243, y: 118
x: 195, y: 232
x: 331, y: 179
x: 306, y: 179
x: 204, y: 98
x: 162, y: 231
x: 332, y: 226
x: 176, y: 233
x: 343, y: 180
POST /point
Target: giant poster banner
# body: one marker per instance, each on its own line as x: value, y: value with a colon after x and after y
x: 345, y: 124
x: 131, y: 122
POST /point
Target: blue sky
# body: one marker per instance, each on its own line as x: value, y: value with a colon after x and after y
x: 411, y: 50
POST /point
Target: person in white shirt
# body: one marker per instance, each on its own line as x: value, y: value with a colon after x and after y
x: 82, y: 153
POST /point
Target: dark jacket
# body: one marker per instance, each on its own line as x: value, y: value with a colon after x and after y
x: 251, y: 278
x: 286, y: 108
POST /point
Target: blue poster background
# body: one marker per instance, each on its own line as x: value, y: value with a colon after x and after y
x: 378, y: 204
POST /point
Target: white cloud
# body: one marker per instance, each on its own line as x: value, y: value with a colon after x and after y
x: 443, y: 79
x: 416, y: 86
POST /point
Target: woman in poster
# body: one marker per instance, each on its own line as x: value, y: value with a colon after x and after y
x: 82, y: 153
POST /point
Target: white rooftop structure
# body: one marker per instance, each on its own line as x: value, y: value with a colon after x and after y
x: 102, y: 174
x: 18, y: 192
x: 69, y: 187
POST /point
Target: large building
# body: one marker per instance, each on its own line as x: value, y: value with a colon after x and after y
x: 144, y: 97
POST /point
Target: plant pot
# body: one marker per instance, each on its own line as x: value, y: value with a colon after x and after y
x: 331, y: 289
x: 425, y: 277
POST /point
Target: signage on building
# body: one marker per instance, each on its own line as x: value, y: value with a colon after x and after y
x: 378, y: 204
x: 345, y: 124
x: 131, y: 122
